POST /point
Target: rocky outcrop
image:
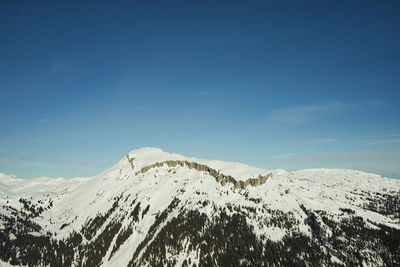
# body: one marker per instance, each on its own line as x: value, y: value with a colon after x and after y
x: 130, y: 161
x: 219, y: 177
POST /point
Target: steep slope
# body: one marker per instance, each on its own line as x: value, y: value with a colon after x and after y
x: 154, y: 208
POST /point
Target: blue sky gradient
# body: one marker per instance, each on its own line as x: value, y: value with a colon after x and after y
x: 292, y: 85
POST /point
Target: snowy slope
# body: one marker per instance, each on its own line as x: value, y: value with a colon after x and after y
x: 121, y: 216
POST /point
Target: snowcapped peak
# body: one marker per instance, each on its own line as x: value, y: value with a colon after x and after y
x: 147, y: 150
x: 148, y: 156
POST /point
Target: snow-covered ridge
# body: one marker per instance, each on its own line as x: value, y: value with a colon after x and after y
x: 141, y: 160
x: 148, y: 156
x: 144, y: 158
x: 138, y: 162
x: 148, y: 192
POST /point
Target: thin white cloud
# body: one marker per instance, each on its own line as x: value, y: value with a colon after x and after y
x: 383, y: 142
x: 306, y: 113
x: 375, y: 103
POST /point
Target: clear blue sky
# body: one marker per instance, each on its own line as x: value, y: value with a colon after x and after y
x: 274, y: 84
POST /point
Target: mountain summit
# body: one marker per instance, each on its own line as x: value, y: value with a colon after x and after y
x: 154, y: 208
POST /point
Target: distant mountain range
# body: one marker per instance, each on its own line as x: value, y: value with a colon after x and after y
x: 154, y: 208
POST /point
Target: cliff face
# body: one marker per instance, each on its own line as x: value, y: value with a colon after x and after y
x: 219, y: 177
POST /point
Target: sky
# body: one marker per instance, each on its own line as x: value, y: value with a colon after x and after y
x: 273, y: 84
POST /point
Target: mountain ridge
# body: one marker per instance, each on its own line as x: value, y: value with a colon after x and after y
x: 151, y: 155
x: 125, y: 215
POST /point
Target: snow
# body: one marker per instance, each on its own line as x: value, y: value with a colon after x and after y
x: 6, y: 264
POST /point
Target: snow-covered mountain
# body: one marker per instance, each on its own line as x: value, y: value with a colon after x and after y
x: 154, y: 208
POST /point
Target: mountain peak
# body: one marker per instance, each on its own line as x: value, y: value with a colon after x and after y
x: 147, y: 150
x: 148, y: 156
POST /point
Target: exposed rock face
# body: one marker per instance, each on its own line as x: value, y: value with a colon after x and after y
x: 130, y: 160
x: 219, y: 177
